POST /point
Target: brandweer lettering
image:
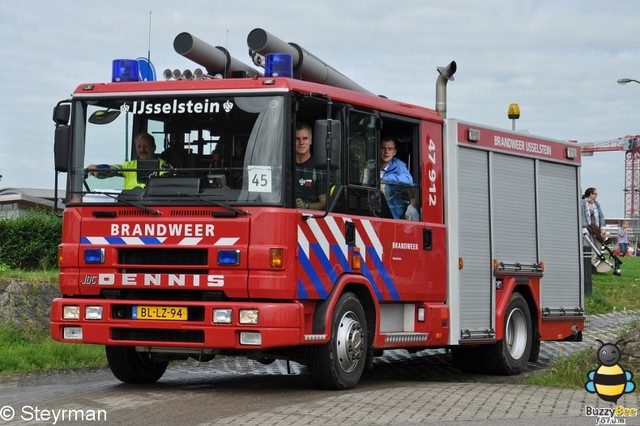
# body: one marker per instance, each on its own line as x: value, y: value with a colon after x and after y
x: 404, y: 246
x: 161, y: 230
x: 520, y: 145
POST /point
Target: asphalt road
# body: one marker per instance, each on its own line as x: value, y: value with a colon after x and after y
x: 403, y: 389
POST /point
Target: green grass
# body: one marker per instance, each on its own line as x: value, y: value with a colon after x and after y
x: 571, y: 371
x: 616, y: 293
x: 567, y: 372
x: 32, y: 350
x: 610, y: 293
x: 49, y: 276
x: 29, y: 351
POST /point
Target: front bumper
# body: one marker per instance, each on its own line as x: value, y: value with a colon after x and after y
x: 278, y: 325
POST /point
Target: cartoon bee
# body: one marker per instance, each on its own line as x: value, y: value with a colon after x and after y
x: 610, y: 381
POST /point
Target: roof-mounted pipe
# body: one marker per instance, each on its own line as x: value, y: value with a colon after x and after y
x: 305, y: 65
x: 216, y: 60
x: 445, y: 75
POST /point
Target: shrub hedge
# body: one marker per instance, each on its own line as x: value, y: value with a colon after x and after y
x: 30, y: 242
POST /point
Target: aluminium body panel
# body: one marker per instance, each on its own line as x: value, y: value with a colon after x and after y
x: 509, y: 197
x: 474, y: 233
x: 560, y: 239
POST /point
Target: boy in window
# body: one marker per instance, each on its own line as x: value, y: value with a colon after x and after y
x: 393, y: 174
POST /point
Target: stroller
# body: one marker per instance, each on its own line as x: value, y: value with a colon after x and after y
x: 599, y: 247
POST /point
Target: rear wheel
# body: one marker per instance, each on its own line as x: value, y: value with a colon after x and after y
x: 510, y: 355
x: 339, y: 363
x: 130, y: 366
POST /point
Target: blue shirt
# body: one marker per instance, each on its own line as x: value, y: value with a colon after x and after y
x: 396, y: 174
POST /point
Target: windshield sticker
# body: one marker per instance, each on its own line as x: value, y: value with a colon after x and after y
x: 177, y: 107
x: 259, y: 178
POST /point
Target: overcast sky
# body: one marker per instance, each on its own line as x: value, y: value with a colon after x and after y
x: 559, y: 60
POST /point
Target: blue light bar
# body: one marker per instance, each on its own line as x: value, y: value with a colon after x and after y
x: 278, y: 65
x: 125, y: 70
x: 229, y: 257
x: 94, y: 255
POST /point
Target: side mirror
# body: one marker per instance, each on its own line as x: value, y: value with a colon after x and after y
x: 327, y: 143
x: 62, y: 147
x: 61, y: 114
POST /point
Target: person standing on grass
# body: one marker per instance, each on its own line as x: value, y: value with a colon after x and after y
x: 592, y: 216
x: 623, y: 238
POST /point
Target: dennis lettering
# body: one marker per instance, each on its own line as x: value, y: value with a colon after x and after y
x: 161, y: 280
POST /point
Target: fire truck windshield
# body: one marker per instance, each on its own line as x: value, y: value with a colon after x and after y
x: 178, y: 149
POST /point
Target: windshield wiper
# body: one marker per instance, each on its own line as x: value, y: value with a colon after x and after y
x: 129, y: 202
x: 218, y: 204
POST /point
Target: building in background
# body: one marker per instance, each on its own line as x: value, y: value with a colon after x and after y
x: 17, y: 201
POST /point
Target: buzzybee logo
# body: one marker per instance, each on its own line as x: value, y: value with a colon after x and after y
x: 609, y: 381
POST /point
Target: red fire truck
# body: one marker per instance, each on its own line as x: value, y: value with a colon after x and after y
x: 212, y: 256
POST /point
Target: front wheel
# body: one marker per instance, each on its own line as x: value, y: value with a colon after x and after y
x: 510, y: 355
x: 339, y: 363
x: 130, y: 366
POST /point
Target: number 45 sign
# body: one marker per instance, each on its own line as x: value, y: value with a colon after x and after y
x: 259, y: 178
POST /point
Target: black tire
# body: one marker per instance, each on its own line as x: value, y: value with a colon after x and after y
x: 510, y: 355
x: 130, y: 366
x: 339, y: 363
x: 534, y: 356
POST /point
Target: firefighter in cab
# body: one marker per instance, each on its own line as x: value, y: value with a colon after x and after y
x: 135, y: 172
x: 610, y: 381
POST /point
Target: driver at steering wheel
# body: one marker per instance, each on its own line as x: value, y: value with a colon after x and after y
x: 145, y: 146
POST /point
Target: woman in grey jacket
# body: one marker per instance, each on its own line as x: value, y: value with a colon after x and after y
x: 592, y: 215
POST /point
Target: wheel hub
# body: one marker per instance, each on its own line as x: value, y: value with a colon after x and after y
x: 516, y: 333
x: 349, y: 342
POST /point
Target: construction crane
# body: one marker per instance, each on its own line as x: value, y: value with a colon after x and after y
x: 631, y: 147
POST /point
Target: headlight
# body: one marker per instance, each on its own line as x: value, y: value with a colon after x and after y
x: 250, y: 338
x: 72, y: 333
x: 93, y: 312
x: 222, y: 316
x: 71, y: 312
x: 248, y: 316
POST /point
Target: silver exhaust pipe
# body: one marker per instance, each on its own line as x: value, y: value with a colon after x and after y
x: 445, y: 74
